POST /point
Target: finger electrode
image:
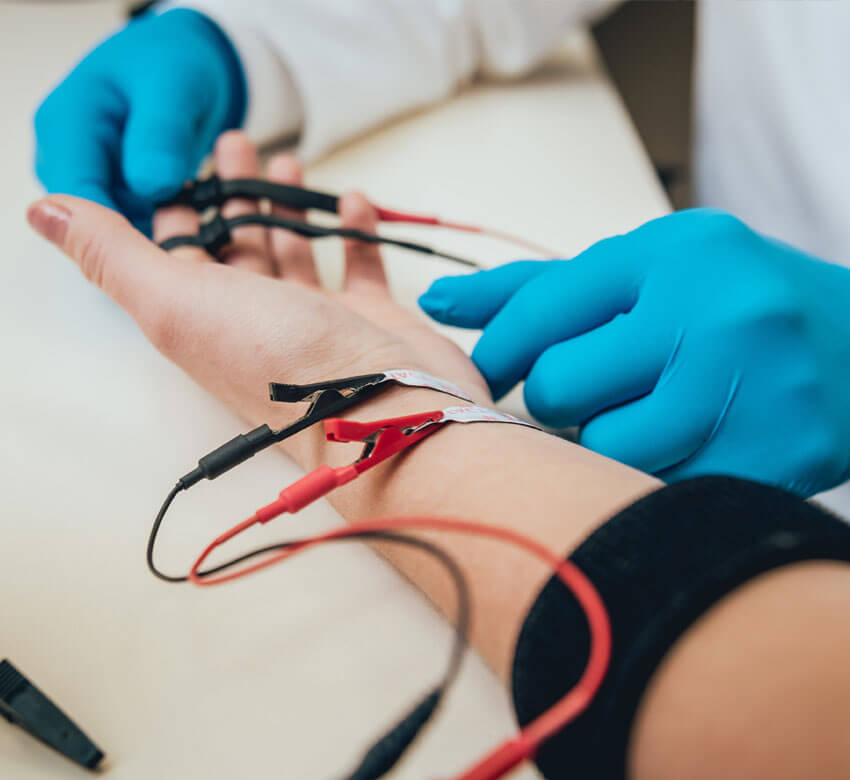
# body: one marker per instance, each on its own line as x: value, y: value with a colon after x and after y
x: 216, y: 233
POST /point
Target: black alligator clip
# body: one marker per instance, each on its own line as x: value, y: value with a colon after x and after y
x: 327, y: 399
x: 322, y: 393
x: 26, y: 706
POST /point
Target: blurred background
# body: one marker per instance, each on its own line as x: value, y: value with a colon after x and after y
x: 646, y: 45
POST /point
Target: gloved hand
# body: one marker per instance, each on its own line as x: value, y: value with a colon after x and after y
x: 692, y: 345
x: 135, y: 118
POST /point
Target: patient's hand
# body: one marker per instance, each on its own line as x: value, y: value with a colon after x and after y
x: 261, y: 315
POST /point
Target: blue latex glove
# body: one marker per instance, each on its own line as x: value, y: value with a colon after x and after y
x: 692, y: 345
x: 135, y: 118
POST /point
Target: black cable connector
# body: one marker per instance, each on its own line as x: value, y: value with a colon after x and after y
x: 326, y: 399
x: 229, y: 455
x: 386, y: 752
x: 26, y: 706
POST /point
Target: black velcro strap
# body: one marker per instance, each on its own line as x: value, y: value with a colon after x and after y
x: 658, y: 565
x: 212, y: 237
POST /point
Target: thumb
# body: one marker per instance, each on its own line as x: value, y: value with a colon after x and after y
x: 166, y: 137
x: 472, y: 301
x: 113, y: 255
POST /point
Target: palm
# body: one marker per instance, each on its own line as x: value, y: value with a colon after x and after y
x: 261, y: 315
x: 441, y: 355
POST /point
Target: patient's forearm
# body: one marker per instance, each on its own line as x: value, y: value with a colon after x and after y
x: 762, y: 676
x: 508, y: 475
x: 778, y: 638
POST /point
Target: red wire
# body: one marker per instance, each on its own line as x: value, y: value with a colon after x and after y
x: 525, y: 745
x: 391, y: 215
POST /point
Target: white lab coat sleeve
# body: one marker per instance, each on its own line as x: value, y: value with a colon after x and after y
x: 330, y: 69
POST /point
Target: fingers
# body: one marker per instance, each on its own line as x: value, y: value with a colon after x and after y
x: 605, y: 367
x: 236, y: 158
x: 292, y: 255
x: 171, y: 221
x: 112, y: 254
x: 364, y: 270
x: 668, y: 426
x: 163, y: 144
x: 570, y: 298
x: 471, y: 301
x: 78, y: 132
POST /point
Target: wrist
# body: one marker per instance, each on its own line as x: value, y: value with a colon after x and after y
x: 311, y: 448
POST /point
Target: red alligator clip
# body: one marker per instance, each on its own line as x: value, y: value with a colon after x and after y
x: 383, y: 438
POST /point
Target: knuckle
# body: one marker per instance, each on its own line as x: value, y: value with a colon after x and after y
x: 289, y: 246
x: 776, y: 303
x: 715, y: 223
x: 704, y: 228
x: 545, y: 398
x: 536, y: 300
x: 93, y: 260
x: 93, y: 250
x: 723, y: 221
x: 230, y: 141
x: 285, y: 168
x: 762, y: 302
x: 607, y: 251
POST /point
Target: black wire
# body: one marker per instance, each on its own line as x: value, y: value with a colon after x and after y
x: 461, y: 587
x: 390, y: 747
x: 214, y: 192
x: 155, y: 532
x: 331, y: 401
x: 222, y: 228
x: 386, y: 752
x: 282, y: 194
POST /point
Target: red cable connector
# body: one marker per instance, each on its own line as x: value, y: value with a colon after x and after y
x: 383, y: 439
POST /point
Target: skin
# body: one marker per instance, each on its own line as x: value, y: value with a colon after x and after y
x: 759, y: 687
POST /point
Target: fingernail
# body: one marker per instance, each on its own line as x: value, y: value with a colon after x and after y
x: 50, y: 220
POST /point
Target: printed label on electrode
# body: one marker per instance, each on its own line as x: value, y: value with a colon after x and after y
x: 405, y: 376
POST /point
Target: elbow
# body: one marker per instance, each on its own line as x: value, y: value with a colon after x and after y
x: 758, y: 688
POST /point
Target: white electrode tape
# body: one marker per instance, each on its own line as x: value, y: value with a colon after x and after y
x: 471, y: 414
x: 466, y: 414
x: 410, y: 378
